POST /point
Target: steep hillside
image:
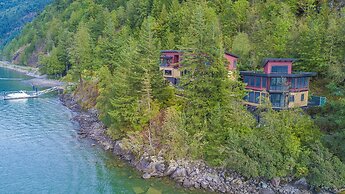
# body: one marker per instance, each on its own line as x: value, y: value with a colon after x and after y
x: 15, y: 14
x: 115, y: 46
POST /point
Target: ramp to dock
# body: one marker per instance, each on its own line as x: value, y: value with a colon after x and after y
x: 46, y: 91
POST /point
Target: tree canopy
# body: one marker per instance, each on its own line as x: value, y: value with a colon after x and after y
x: 117, y: 44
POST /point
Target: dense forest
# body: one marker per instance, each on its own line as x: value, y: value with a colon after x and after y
x: 112, y: 48
x: 16, y: 13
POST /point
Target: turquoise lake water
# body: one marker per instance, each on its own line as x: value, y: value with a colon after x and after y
x: 40, y: 151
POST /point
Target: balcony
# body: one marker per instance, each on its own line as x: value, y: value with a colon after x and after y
x: 279, y: 88
x: 164, y: 65
x: 280, y: 84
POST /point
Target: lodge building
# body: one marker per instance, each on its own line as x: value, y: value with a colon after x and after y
x: 277, y: 82
x: 171, y: 62
x: 286, y: 89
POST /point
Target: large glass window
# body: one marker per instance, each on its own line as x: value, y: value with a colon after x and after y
x: 246, y: 80
x: 293, y: 82
x: 251, y: 97
x: 278, y: 83
x: 277, y: 100
x: 165, y: 62
x: 257, y: 97
x: 280, y: 69
x: 251, y: 81
x: 168, y: 72
x: 298, y: 83
x: 302, y: 82
x: 264, y: 82
x: 258, y: 82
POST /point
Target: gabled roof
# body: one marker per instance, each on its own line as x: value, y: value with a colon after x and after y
x: 266, y: 60
x: 231, y: 54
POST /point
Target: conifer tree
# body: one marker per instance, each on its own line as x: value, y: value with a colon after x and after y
x: 149, y: 54
x: 81, y: 52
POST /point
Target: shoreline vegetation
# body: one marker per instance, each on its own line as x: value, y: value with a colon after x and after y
x: 113, y: 49
x: 191, y: 174
x: 37, y: 80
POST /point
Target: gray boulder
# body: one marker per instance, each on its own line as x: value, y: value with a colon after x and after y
x: 302, y: 184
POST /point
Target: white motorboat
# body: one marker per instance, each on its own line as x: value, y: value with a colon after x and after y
x: 18, y: 95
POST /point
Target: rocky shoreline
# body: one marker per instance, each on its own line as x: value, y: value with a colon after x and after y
x: 190, y: 174
x: 37, y: 80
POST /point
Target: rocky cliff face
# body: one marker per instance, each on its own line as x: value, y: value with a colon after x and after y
x: 190, y: 174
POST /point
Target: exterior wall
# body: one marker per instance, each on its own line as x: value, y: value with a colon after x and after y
x: 295, y: 104
x: 298, y: 102
x: 232, y: 60
x: 268, y: 66
x: 175, y: 72
x: 174, y: 65
x: 173, y: 54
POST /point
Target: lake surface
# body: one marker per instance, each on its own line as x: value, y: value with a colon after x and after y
x: 40, y: 151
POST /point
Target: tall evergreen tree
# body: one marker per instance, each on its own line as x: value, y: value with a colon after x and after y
x: 81, y: 52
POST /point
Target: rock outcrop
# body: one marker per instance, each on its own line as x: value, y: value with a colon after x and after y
x: 189, y: 174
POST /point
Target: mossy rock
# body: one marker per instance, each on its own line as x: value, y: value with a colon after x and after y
x: 153, y: 191
x: 138, y: 190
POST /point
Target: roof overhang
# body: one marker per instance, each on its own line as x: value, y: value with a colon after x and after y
x: 171, y: 51
x: 266, y: 60
x: 261, y: 74
x: 231, y: 54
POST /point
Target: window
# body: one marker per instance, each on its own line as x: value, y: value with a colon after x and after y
x: 277, y: 100
x: 302, y: 97
x: 235, y: 63
x: 258, y: 82
x: 167, y: 72
x: 292, y: 98
x: 251, y: 81
x: 278, y: 83
x: 246, y: 80
x: 280, y: 69
x: 300, y: 82
x: 257, y: 97
x: 165, y: 62
x: 176, y: 58
x: 251, y: 97
x: 246, y: 98
x: 293, y: 82
x: 264, y: 82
